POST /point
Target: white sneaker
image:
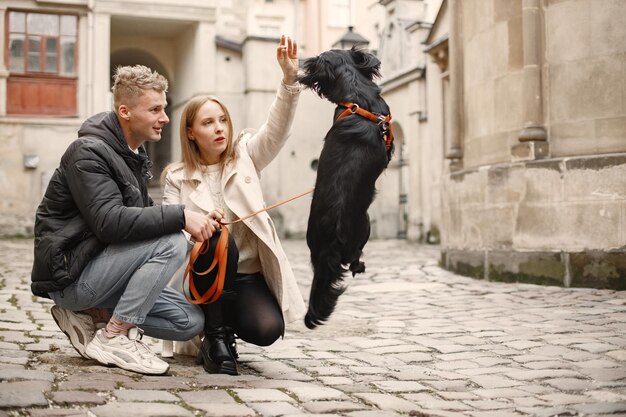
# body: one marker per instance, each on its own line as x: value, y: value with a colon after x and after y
x: 127, y: 353
x: 79, y: 327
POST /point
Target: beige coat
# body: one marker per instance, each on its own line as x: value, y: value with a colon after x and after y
x: 243, y: 195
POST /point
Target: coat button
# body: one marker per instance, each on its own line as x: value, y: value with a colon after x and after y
x: 248, y: 180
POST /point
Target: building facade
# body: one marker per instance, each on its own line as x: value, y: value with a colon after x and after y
x: 59, y: 56
x: 509, y: 115
x: 534, y: 188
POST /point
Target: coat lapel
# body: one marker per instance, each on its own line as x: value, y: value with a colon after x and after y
x: 201, y: 194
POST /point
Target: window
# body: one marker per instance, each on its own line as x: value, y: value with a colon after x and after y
x: 339, y: 13
x: 42, y: 63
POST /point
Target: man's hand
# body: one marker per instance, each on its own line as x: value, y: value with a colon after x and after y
x: 199, y: 226
x: 287, y: 56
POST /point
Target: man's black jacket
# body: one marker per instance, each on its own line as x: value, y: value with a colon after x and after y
x: 97, y: 196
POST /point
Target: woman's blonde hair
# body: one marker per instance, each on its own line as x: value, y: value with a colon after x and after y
x: 189, y: 149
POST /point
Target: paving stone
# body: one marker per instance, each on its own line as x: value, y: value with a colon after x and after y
x: 335, y: 380
x: 501, y: 393
x: 595, y: 347
x: 563, y: 399
x: 225, y: 410
x: 601, y: 408
x: 24, y: 394
x: 429, y: 402
x: 25, y: 374
x: 305, y: 394
x: 400, y: 386
x: 489, y: 404
x: 523, y: 344
x: 332, y: 407
x: 97, y: 385
x: 541, y: 374
x: 442, y: 341
x: 456, y: 365
x: 275, y: 408
x: 137, y: 395
x: 619, y: 355
x: 493, y: 381
x: 387, y: 402
x: 77, y: 398
x: 15, y: 337
x: 57, y: 412
x: 258, y: 395
x: 373, y: 413
x: 140, y: 409
x: 569, y: 384
x: 207, y: 396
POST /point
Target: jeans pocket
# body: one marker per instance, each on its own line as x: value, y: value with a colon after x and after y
x: 83, y: 296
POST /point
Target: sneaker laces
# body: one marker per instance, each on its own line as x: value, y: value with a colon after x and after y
x: 138, y: 345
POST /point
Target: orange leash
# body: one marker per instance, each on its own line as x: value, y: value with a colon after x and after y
x: 220, y: 259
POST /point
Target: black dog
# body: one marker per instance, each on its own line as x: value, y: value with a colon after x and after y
x: 357, y: 149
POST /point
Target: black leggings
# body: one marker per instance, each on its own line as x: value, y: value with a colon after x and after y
x: 253, y: 312
x: 248, y: 306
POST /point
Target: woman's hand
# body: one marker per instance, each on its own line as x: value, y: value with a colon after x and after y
x: 287, y: 56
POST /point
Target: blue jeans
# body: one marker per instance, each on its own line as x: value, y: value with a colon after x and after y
x: 131, y: 278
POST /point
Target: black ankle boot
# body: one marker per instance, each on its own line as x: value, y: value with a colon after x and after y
x: 231, y: 342
x: 215, y: 354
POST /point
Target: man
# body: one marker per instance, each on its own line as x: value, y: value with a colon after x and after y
x: 100, y: 242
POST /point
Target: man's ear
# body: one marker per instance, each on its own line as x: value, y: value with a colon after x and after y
x: 124, y: 111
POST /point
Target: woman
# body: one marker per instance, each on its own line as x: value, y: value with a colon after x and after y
x: 220, y: 178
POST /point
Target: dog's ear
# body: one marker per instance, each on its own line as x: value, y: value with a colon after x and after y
x: 366, y: 63
x: 317, y: 75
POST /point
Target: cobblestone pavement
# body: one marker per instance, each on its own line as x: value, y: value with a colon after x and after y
x: 408, y: 338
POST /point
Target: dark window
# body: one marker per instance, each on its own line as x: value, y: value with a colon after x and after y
x: 42, y: 60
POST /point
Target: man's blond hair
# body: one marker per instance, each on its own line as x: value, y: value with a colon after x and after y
x: 129, y: 83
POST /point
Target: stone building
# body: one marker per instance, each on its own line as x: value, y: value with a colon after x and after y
x: 509, y: 115
x: 535, y: 138
x: 512, y: 130
x: 60, y: 56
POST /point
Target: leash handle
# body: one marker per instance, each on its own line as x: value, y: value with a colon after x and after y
x: 220, y: 259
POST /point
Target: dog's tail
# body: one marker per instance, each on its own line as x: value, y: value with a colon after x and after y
x: 328, y: 284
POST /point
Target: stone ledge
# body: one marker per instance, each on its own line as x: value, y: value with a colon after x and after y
x: 589, y: 269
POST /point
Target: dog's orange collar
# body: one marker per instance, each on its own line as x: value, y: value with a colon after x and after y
x: 352, y: 108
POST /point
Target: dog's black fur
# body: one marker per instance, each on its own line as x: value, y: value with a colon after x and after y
x: 353, y: 157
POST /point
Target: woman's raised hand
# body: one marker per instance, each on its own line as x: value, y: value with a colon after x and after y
x: 287, y: 56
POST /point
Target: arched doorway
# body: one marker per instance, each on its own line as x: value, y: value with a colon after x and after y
x: 160, y: 153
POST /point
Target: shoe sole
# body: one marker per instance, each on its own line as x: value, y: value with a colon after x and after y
x: 61, y: 320
x: 111, y: 360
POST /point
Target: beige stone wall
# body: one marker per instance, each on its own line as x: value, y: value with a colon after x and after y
x: 585, y: 76
x: 557, y: 217
x: 492, y: 77
x: 21, y: 187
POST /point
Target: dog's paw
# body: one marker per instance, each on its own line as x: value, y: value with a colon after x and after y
x: 357, y: 267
